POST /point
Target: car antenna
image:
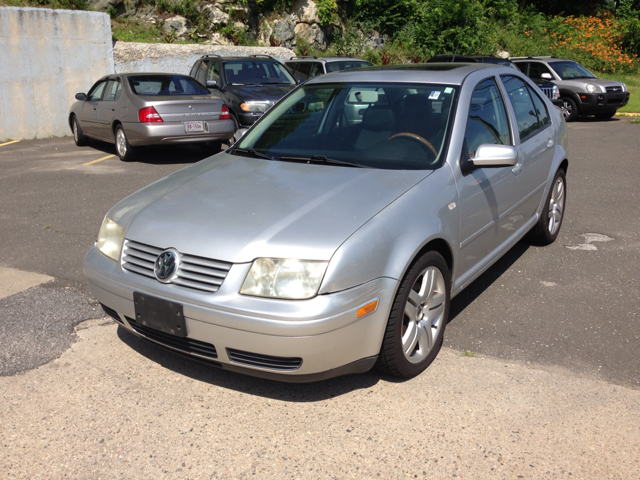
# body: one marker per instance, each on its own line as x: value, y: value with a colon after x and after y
x: 456, y: 52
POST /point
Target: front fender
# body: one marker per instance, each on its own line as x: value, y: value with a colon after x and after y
x: 386, y: 245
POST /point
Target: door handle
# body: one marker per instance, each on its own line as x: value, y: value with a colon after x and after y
x: 550, y: 143
x: 517, y: 169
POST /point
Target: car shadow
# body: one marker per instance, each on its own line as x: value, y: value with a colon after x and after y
x: 288, y: 392
x: 484, y: 281
x: 592, y: 119
x: 159, y: 154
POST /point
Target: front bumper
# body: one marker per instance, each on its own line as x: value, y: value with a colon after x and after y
x: 141, y: 134
x: 324, y: 332
x: 593, y: 103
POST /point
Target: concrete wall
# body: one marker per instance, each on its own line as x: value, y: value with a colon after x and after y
x: 46, y: 57
x: 172, y: 58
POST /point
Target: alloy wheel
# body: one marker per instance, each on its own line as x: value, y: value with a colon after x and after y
x: 567, y: 109
x: 75, y: 130
x: 121, y: 142
x: 556, y: 206
x: 423, y: 314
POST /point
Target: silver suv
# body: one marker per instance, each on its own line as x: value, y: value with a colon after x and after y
x: 304, y: 68
x: 581, y: 92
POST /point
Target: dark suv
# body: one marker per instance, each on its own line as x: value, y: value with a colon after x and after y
x: 248, y: 85
x: 547, y: 87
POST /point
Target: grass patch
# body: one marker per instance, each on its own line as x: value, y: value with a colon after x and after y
x: 633, y: 84
x: 468, y: 353
x: 635, y: 121
x: 133, y: 31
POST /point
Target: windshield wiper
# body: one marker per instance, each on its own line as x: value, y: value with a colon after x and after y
x: 253, y: 153
x: 321, y: 159
x: 245, y: 84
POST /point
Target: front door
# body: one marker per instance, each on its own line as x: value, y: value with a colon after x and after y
x: 106, y: 109
x: 89, y: 113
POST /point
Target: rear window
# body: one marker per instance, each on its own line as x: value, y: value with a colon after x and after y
x: 346, y: 65
x: 164, y: 85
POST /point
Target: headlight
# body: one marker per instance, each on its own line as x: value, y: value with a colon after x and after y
x: 110, y: 239
x: 284, y: 278
x: 556, y: 93
x: 255, y: 107
x: 592, y: 88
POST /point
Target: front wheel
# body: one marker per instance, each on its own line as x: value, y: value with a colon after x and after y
x: 546, y: 230
x: 418, y: 318
x: 569, y: 109
x: 78, y: 134
x: 123, y: 149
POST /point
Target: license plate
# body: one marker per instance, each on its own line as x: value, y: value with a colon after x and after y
x: 193, y: 127
x: 159, y: 314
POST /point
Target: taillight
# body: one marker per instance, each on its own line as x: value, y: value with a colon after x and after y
x: 224, y: 113
x: 149, y: 115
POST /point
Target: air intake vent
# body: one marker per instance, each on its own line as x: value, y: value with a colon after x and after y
x: 264, y: 361
x: 112, y: 313
x: 196, y: 273
x: 613, y: 89
x: 183, y: 344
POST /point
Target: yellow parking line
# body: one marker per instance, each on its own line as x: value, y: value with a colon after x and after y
x: 8, y: 143
x: 98, y: 160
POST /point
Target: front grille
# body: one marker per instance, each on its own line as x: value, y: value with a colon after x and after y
x: 196, y: 273
x: 264, y: 361
x: 614, y: 89
x: 548, y: 91
x: 112, y: 313
x: 183, y: 344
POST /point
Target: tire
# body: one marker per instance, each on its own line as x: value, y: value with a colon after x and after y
x: 569, y: 109
x: 546, y: 230
x: 418, y: 318
x: 211, y: 148
x: 78, y: 135
x: 123, y: 149
x: 605, y: 115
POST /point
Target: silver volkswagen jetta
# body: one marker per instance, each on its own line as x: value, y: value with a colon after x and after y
x: 333, y: 235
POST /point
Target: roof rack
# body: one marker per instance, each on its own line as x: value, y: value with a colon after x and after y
x: 537, y: 57
x: 261, y: 55
x: 303, y: 56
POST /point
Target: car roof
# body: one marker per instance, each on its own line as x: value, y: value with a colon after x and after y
x: 449, y: 73
x: 325, y: 59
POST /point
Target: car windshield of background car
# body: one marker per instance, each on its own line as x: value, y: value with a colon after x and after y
x: 164, y: 85
x: 336, y: 66
x: 377, y: 125
x: 256, y: 72
x: 569, y: 70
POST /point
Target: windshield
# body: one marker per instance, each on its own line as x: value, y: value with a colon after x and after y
x: 256, y: 72
x: 166, y: 85
x: 568, y: 70
x: 377, y: 125
x: 345, y: 65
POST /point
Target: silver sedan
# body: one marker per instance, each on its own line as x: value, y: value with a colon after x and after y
x: 137, y: 109
x: 333, y: 235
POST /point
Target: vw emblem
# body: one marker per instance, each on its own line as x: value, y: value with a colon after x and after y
x: 166, y: 265
x: 190, y: 107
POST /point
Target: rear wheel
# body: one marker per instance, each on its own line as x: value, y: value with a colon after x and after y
x: 605, y: 115
x: 418, y: 318
x: 548, y: 227
x: 78, y: 134
x: 123, y: 149
x: 569, y: 109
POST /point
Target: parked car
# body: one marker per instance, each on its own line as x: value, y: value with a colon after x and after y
x: 549, y: 89
x: 248, y: 85
x: 317, y: 245
x: 137, y: 109
x: 581, y: 92
x: 306, y: 67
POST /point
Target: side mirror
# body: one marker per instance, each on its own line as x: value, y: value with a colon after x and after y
x: 81, y: 96
x: 212, y: 84
x: 491, y: 156
x: 546, y: 76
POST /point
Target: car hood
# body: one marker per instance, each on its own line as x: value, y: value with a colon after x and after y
x: 236, y: 209
x: 581, y: 82
x: 260, y: 93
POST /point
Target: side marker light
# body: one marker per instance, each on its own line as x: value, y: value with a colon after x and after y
x: 368, y: 308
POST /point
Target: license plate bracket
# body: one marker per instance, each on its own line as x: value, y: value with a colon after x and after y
x: 160, y: 314
x: 194, y: 127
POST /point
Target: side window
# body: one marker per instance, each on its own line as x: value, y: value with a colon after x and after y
x: 523, y: 67
x: 487, y: 121
x: 316, y: 69
x: 95, y: 94
x: 541, y: 109
x: 303, y: 71
x: 113, y: 91
x: 537, y: 69
x: 201, y: 73
x: 213, y: 72
x: 522, y: 105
